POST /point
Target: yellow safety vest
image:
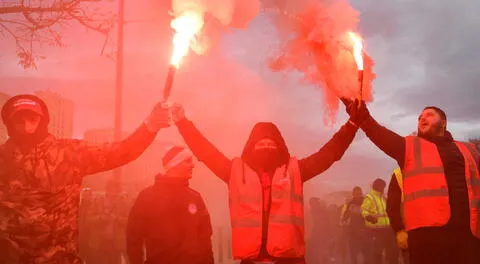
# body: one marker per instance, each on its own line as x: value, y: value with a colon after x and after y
x: 375, y: 205
x: 399, y: 178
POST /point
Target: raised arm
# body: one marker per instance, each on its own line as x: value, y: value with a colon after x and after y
x: 203, y: 149
x: 329, y: 153
x: 93, y: 158
x: 388, y: 141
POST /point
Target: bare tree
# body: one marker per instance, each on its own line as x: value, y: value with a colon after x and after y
x: 33, y: 23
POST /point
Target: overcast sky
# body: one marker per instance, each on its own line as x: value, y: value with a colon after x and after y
x: 426, y: 53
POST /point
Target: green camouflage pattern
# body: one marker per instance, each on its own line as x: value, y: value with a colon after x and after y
x: 40, y: 194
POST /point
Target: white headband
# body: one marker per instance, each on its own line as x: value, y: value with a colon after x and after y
x: 179, y: 158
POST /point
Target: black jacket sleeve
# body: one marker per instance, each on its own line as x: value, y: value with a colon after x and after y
x: 331, y: 152
x: 205, y: 235
x: 346, y: 212
x: 388, y: 141
x: 394, y: 205
x: 135, y: 233
x: 205, y: 151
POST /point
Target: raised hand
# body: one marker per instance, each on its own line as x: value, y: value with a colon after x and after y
x: 159, y: 118
x: 357, y: 110
x: 178, y: 112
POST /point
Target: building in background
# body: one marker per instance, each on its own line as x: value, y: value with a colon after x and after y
x: 3, y: 130
x: 61, y: 113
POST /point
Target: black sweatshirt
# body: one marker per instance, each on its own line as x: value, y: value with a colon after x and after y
x: 454, y: 166
x: 171, y: 220
x: 309, y: 167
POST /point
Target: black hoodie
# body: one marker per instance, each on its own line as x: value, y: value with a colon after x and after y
x: 309, y: 166
x: 261, y: 131
x: 172, y: 221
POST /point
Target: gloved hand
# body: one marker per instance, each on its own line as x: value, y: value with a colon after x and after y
x: 372, y: 219
x: 159, y: 118
x: 178, y: 113
x: 357, y: 110
x: 402, y: 239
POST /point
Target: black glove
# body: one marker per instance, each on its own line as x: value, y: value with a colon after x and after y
x: 372, y: 219
x: 357, y: 110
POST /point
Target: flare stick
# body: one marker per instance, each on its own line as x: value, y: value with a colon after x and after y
x: 169, y: 82
x: 360, y: 80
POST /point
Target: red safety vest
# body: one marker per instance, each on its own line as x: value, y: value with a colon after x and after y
x: 286, y: 221
x: 426, y: 198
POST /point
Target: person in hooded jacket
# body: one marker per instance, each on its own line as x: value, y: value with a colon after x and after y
x: 40, y: 180
x: 440, y: 195
x: 265, y: 188
x: 170, y: 219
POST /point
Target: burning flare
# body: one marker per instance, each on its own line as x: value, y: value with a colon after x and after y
x: 187, y: 26
x: 357, y: 49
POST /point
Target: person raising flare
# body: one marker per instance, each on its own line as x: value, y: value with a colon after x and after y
x: 441, y: 187
x: 265, y: 188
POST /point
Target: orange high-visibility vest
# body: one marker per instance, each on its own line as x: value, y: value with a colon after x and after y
x: 425, y: 186
x: 286, y: 221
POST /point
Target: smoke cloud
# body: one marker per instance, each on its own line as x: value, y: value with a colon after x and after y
x: 219, y: 16
x: 315, y: 42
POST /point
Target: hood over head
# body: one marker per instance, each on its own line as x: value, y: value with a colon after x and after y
x: 271, y: 161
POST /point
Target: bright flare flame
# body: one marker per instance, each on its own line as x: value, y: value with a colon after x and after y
x: 357, y: 49
x: 186, y: 26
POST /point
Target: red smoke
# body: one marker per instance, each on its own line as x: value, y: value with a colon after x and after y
x: 219, y: 16
x: 317, y: 45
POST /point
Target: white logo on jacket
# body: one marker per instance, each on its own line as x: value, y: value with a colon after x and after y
x: 192, y: 208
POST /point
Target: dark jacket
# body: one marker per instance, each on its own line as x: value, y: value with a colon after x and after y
x: 171, y: 220
x: 454, y: 165
x: 353, y: 214
x: 310, y: 166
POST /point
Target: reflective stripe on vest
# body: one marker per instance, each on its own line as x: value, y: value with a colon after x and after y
x: 381, y: 213
x: 286, y: 219
x: 280, y: 219
x: 419, y: 167
x: 275, y: 194
x: 425, y: 186
x: 472, y: 174
x: 426, y: 193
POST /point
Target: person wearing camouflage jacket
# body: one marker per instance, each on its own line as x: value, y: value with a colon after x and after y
x: 40, y: 178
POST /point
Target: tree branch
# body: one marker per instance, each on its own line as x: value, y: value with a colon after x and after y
x: 55, y: 8
x: 29, y: 26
